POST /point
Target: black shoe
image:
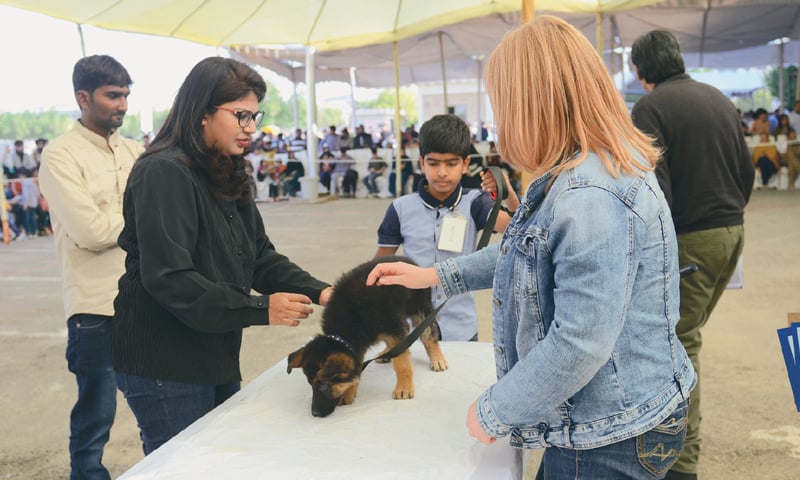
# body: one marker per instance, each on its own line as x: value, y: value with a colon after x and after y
x: 673, y: 475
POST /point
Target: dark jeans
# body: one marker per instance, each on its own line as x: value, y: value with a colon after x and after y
x: 31, y: 225
x: 393, y: 180
x: 644, y: 457
x: 349, y: 183
x: 768, y: 169
x: 163, y: 409
x: 89, y: 358
x: 292, y: 186
x: 370, y: 182
x: 325, y: 179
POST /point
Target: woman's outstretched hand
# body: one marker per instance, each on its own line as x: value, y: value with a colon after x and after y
x: 401, y: 273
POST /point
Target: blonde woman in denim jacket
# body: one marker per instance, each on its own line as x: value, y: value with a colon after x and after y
x: 585, y: 279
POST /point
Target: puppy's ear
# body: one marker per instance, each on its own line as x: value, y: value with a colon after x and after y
x: 295, y: 359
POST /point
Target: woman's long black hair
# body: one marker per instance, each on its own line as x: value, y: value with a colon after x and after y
x: 212, y: 82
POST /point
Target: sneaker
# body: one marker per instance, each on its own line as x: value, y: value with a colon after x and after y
x: 21, y: 236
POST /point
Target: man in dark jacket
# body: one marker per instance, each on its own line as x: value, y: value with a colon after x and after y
x: 707, y: 176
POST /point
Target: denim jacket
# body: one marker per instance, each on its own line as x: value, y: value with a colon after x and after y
x: 585, y: 302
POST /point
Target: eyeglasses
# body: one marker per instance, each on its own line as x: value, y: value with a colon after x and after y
x: 245, y: 116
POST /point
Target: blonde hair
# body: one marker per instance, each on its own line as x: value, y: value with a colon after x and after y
x: 552, y: 98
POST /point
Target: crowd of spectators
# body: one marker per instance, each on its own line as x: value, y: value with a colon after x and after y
x: 276, y: 171
x: 773, y: 137
x: 27, y: 210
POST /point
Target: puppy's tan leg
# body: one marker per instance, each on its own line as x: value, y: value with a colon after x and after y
x: 390, y: 345
x: 383, y: 360
x: 430, y: 339
x: 350, y: 394
x: 404, y: 371
x: 438, y: 362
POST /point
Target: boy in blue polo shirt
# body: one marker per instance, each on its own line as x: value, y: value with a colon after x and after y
x: 442, y: 219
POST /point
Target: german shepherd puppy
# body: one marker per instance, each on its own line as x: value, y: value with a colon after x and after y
x: 356, y: 318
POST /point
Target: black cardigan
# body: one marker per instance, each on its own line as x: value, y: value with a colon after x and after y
x: 191, y: 263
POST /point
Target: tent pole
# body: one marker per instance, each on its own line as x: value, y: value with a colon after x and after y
x: 398, y: 140
x: 528, y: 10
x: 353, y: 98
x: 599, y: 33
x: 703, y: 32
x: 480, y: 79
x: 616, y: 52
x: 780, y: 74
x: 295, y: 109
x: 444, y: 73
x: 310, y: 180
x: 528, y: 13
x: 83, y: 45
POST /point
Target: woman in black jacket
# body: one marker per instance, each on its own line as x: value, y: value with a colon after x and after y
x: 196, y: 247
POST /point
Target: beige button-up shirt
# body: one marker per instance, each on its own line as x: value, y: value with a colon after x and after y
x: 83, y: 178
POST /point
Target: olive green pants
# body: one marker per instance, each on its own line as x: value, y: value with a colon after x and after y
x: 715, y: 252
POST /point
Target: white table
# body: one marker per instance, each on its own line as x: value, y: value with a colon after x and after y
x: 266, y: 431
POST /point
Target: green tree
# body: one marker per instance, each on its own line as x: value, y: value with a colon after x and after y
x: 50, y: 124
x: 277, y: 110
x: 280, y: 112
x: 760, y: 98
x: 408, y: 103
x: 132, y: 126
x: 789, y: 84
x: 159, y: 118
x: 31, y: 125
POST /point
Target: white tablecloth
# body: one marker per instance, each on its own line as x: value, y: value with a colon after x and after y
x: 266, y: 431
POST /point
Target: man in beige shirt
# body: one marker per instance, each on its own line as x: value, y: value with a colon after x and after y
x: 83, y: 176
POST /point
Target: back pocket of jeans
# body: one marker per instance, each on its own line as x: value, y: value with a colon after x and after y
x: 659, y: 448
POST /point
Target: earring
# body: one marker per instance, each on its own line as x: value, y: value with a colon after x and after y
x: 203, y: 122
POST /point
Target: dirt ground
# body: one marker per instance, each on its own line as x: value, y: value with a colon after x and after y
x: 750, y: 426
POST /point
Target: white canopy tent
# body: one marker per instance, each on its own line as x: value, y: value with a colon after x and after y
x: 713, y: 34
x: 705, y: 27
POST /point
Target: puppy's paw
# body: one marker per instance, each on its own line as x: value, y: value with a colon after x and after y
x: 349, y: 395
x: 400, y: 393
x: 439, y: 365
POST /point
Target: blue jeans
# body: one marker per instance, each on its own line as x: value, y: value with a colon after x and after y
x: 163, y: 409
x: 370, y: 182
x: 31, y: 226
x: 645, y: 457
x: 89, y: 358
x: 393, y: 180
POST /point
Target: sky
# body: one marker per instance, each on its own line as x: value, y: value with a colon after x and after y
x: 38, y: 53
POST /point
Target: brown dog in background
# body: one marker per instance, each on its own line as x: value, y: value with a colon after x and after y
x: 356, y: 318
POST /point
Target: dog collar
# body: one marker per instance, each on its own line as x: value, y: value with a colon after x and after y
x: 344, y: 342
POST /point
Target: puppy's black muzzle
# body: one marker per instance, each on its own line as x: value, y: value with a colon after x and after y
x: 322, y: 404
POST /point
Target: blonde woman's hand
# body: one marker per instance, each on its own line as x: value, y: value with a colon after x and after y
x: 474, y: 427
x: 488, y: 184
x: 288, y: 308
x: 401, y: 273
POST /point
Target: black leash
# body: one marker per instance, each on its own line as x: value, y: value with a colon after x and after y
x: 484, y: 240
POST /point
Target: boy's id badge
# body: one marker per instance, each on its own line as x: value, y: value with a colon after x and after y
x: 454, y: 227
